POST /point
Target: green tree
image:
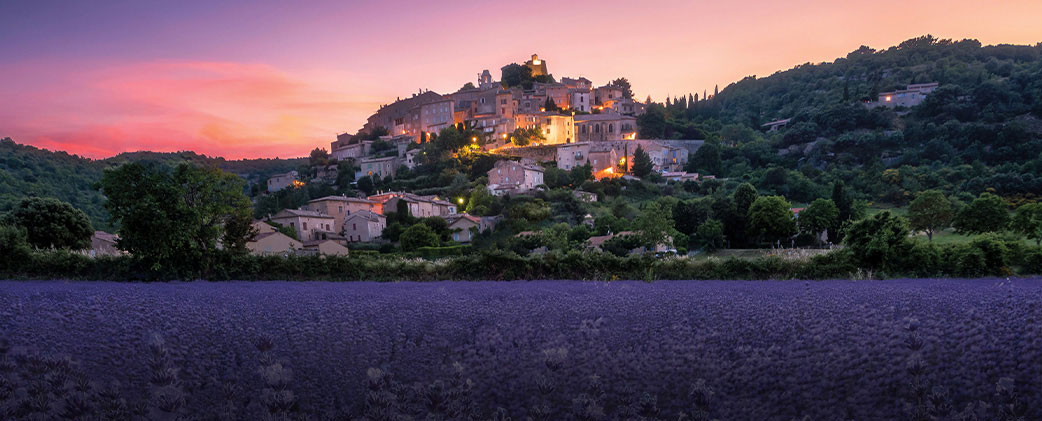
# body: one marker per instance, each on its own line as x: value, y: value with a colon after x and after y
x: 480, y: 201
x: 318, y: 157
x: 549, y: 105
x: 580, y: 174
x: 418, y: 235
x: 365, y: 184
x: 172, y: 221
x: 653, y: 224
x: 14, y: 249
x: 769, y: 217
x: 706, y: 159
x: 642, y: 165
x: 51, y: 223
x: 819, y: 216
x: 879, y: 242
x: 711, y: 234
x: 623, y: 84
x: 930, y: 212
x: 1028, y: 221
x: 987, y: 213
x: 525, y: 136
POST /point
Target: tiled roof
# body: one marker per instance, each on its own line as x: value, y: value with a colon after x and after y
x: 300, y: 212
x: 367, y: 215
x: 341, y: 199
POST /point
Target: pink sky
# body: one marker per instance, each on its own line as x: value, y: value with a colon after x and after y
x: 262, y: 79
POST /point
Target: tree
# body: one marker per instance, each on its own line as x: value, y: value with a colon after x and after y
x: 14, y: 250
x: 642, y: 165
x: 525, y: 136
x: 770, y: 217
x: 706, y: 159
x: 549, y: 105
x: 819, y: 216
x: 365, y: 184
x: 418, y: 235
x: 930, y: 212
x: 319, y: 157
x: 480, y: 201
x: 345, y: 173
x: 623, y: 84
x: 987, y: 213
x: 711, y: 234
x: 1028, y: 222
x: 653, y: 225
x: 878, y: 242
x: 515, y: 74
x: 51, y: 223
x: 742, y: 199
x: 580, y: 174
x: 171, y: 221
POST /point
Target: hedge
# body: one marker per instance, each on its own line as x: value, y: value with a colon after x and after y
x: 985, y: 257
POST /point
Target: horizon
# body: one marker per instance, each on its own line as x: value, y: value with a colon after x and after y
x: 99, y: 80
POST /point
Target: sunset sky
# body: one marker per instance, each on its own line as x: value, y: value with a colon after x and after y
x: 246, y: 79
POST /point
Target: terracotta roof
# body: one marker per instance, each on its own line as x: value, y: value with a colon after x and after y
x: 341, y: 199
x: 367, y: 215
x: 300, y: 212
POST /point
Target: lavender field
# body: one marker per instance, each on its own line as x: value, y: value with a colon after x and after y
x: 728, y: 350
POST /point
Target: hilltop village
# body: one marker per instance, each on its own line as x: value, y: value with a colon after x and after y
x: 527, y: 123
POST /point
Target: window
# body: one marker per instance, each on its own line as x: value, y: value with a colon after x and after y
x: 304, y: 225
x: 503, y: 101
x: 597, y: 128
x: 455, y: 236
x: 611, y: 128
x: 354, y: 227
x: 340, y: 209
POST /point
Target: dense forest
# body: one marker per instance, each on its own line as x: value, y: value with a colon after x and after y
x: 29, y: 171
x: 981, y: 130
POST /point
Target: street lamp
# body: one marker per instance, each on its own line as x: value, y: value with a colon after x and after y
x: 460, y: 200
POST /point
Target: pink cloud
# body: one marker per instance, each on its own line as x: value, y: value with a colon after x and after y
x: 227, y: 109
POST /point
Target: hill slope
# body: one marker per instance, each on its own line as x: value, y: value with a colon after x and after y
x: 980, y: 130
x: 29, y: 171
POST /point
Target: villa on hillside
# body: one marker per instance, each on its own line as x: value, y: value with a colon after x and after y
x: 911, y: 96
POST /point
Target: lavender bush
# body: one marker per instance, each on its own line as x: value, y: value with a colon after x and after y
x: 846, y: 350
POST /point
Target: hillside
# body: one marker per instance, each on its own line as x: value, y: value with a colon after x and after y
x: 29, y: 171
x: 981, y: 130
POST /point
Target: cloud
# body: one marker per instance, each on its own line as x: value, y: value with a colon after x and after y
x: 226, y: 109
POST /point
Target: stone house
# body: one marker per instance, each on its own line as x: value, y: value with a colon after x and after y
x: 339, y: 207
x: 280, y: 181
x: 364, y: 226
x: 514, y: 176
x: 273, y: 243
x: 308, y: 224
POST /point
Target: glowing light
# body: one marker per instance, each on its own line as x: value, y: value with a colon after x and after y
x: 537, y: 62
x: 888, y: 98
x: 474, y: 139
x: 460, y: 200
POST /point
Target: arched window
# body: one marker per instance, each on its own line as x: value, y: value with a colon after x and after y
x: 611, y: 128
